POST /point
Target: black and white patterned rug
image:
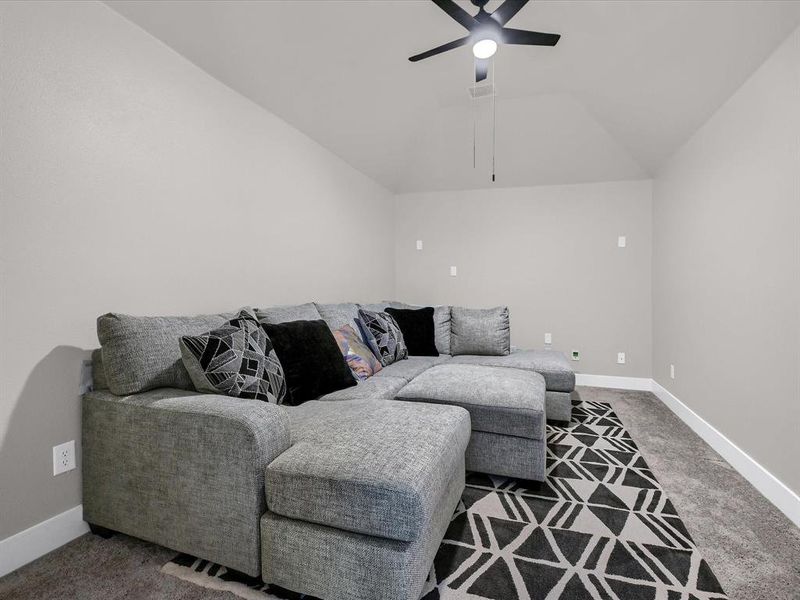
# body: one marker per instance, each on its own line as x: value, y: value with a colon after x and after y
x: 599, y: 528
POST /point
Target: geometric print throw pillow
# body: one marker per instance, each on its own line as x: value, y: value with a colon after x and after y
x: 383, y: 336
x: 237, y: 359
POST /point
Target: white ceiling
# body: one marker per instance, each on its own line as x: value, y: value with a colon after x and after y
x: 627, y: 84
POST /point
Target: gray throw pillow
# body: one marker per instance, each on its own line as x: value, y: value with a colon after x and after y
x: 483, y: 331
x: 237, y: 360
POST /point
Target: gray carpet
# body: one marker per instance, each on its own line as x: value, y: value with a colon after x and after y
x: 753, y: 549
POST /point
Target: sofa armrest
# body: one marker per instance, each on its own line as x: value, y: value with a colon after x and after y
x: 185, y: 471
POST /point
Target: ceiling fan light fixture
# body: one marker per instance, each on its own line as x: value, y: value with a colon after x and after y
x: 484, y: 48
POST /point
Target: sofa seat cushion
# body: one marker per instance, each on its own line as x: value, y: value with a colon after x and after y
x: 553, y: 366
x: 374, y: 388
x: 504, y: 401
x: 376, y: 468
x: 412, y: 366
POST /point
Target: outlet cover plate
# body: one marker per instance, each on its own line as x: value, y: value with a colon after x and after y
x: 620, y: 358
x: 576, y: 355
x: 64, y: 457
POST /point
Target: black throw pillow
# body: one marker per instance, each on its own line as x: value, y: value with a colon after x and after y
x: 418, y: 329
x: 312, y: 362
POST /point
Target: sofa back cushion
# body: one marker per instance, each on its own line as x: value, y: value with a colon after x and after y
x: 311, y: 359
x: 289, y: 312
x: 418, y: 330
x: 441, y: 323
x: 236, y: 359
x: 484, y: 331
x: 143, y: 353
x: 379, y: 306
x: 337, y: 315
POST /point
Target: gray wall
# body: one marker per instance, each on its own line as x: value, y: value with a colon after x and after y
x: 132, y: 181
x: 726, y: 265
x: 550, y: 253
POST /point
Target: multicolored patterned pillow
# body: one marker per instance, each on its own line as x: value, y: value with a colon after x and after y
x: 359, y: 357
x: 236, y: 359
x: 383, y: 336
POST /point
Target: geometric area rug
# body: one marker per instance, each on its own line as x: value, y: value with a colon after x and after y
x: 598, y: 528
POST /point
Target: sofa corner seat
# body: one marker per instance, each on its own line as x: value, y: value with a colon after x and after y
x: 553, y: 366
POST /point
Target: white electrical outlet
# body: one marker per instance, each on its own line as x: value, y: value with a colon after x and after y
x: 622, y: 241
x: 620, y: 358
x: 672, y: 371
x: 453, y: 271
x: 64, y: 457
x: 576, y: 355
x: 548, y: 338
x: 419, y: 244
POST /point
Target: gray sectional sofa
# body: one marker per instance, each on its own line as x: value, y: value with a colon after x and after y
x: 343, y: 497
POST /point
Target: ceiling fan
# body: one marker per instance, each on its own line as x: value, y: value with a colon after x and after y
x: 486, y: 31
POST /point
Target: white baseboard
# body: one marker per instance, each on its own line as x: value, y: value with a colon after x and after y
x: 612, y: 381
x: 765, y: 482
x: 25, y: 546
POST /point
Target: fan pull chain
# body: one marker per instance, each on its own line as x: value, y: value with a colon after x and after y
x: 494, y: 119
x: 474, y: 116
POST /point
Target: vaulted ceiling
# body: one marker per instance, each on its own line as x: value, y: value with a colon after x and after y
x: 627, y: 84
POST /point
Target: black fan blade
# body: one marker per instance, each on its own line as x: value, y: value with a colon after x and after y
x: 440, y: 49
x: 529, y: 38
x: 456, y: 12
x: 481, y: 69
x: 507, y: 10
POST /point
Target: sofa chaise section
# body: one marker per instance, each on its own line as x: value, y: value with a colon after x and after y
x: 359, y: 505
x: 181, y: 469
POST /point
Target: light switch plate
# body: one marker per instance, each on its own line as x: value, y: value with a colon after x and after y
x: 419, y: 244
x: 576, y: 355
x: 64, y: 457
x: 622, y: 241
x: 453, y: 271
